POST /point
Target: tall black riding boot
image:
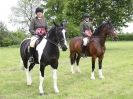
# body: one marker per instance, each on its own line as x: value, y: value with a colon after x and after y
x: 31, y: 58
x: 83, y: 51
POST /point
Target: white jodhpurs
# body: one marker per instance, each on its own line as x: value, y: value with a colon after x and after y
x: 85, y: 41
x: 33, y: 41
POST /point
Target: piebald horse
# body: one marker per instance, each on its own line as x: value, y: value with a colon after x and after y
x: 94, y: 49
x: 46, y: 53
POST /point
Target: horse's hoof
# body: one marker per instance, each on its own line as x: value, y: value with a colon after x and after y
x: 101, y: 77
x: 57, y: 92
x: 72, y: 72
x: 41, y: 94
x: 92, y: 78
x: 29, y: 84
x: 78, y: 71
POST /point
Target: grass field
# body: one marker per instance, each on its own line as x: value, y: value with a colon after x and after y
x: 117, y: 70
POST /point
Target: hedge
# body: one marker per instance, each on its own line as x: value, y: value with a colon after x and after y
x: 124, y: 37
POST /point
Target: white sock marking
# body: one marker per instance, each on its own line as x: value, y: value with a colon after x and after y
x: 72, y: 69
x: 101, y: 74
x: 78, y: 70
x: 55, y: 81
x: 92, y: 76
x: 28, y: 76
x: 41, y: 84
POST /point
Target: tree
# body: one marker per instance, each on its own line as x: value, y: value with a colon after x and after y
x: 54, y: 9
x: 3, y: 33
x: 24, y: 12
x: 119, y: 12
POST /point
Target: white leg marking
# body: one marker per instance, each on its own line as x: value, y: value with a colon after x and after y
x: 72, y: 69
x: 92, y: 76
x: 78, y: 70
x: 55, y: 81
x: 101, y: 74
x: 28, y: 76
x: 64, y: 31
x: 41, y: 84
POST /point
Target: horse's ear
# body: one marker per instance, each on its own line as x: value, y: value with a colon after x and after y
x: 55, y: 24
x: 62, y: 24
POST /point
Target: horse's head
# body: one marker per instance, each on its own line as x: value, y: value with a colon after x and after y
x: 61, y: 35
x: 109, y: 30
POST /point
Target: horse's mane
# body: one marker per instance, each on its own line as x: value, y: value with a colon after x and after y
x: 51, y: 29
x: 98, y: 29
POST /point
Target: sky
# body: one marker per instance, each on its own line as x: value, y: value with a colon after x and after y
x: 5, y: 10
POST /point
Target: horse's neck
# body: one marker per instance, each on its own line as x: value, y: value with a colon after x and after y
x: 102, y: 38
x: 52, y: 37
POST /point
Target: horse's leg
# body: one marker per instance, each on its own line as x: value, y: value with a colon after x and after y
x: 100, y: 67
x: 55, y: 66
x: 28, y: 73
x: 93, y: 67
x: 77, y: 61
x: 42, y: 67
x: 25, y: 62
x: 72, y: 58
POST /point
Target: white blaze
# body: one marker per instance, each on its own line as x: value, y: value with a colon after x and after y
x: 64, y: 36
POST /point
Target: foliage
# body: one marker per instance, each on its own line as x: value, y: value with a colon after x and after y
x: 10, y: 38
x: 24, y: 12
x: 119, y: 12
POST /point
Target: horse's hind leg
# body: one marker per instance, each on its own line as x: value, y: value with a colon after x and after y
x: 72, y: 59
x: 93, y: 67
x: 100, y: 67
x: 42, y: 68
x: 77, y: 61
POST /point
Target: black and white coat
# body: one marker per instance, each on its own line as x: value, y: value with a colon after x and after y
x: 47, y: 53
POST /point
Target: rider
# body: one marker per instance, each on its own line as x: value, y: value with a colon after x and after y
x: 86, y: 31
x: 38, y: 29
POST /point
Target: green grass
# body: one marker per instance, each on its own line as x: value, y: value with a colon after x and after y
x: 117, y: 69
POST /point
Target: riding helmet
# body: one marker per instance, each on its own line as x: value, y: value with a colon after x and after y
x: 39, y: 10
x: 86, y: 15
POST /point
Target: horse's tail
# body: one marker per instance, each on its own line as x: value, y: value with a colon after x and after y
x: 21, y: 64
x: 24, y: 53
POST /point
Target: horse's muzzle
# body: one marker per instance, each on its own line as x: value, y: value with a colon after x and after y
x: 64, y: 47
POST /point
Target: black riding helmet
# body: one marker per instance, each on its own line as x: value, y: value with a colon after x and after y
x: 39, y: 10
x: 86, y: 15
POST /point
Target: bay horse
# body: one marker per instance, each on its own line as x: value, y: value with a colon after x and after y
x: 46, y: 53
x: 94, y: 49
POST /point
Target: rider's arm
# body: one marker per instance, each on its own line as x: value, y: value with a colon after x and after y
x: 82, y: 30
x: 91, y: 27
x: 32, y: 27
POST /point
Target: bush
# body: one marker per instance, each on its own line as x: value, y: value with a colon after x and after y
x: 124, y: 37
x: 14, y: 38
x: 73, y: 30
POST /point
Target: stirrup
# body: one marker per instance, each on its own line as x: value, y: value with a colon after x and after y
x: 31, y: 59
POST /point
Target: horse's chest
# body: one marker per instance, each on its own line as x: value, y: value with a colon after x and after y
x: 47, y: 52
x: 40, y: 47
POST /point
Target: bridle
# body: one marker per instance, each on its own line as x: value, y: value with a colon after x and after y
x: 52, y: 42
